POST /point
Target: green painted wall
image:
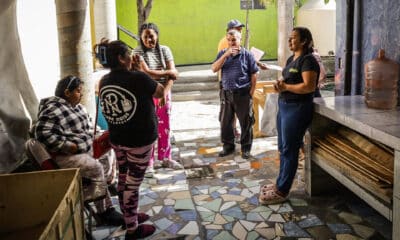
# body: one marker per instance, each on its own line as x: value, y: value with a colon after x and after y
x: 193, y: 28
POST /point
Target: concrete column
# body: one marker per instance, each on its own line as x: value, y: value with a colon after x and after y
x: 105, y: 19
x: 396, y: 196
x: 18, y: 102
x: 73, y: 24
x: 285, y: 26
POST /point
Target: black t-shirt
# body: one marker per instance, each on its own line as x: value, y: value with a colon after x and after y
x: 292, y: 75
x: 127, y: 105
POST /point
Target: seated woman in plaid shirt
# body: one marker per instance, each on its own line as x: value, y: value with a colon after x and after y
x: 63, y: 128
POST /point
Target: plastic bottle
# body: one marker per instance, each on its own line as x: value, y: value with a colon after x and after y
x: 381, y: 77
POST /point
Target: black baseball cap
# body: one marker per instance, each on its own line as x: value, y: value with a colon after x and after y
x: 234, y: 23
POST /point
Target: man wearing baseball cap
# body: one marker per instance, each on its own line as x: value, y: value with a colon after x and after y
x: 223, y: 44
x: 232, y: 24
x: 238, y: 77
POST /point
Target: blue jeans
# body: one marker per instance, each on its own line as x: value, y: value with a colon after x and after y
x: 292, y: 122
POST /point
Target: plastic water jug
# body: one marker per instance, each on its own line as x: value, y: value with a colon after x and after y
x: 381, y: 77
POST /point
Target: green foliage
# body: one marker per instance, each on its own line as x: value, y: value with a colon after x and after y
x: 192, y: 29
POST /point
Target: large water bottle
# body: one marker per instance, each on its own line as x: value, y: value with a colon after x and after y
x: 381, y: 77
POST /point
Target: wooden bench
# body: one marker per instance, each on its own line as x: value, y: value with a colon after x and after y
x: 262, y: 89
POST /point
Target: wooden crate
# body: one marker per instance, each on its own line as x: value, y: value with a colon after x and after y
x: 41, y: 205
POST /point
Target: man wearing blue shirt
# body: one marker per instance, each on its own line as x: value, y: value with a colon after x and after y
x: 238, y: 75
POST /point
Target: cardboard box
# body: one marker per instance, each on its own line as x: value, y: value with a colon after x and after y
x: 41, y: 205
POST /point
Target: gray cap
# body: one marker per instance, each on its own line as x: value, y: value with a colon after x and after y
x: 234, y: 24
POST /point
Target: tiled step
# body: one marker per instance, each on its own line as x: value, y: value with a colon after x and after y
x: 197, y: 76
x: 195, y: 86
x: 196, y: 95
x: 196, y: 83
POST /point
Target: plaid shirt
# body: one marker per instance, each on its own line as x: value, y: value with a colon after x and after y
x: 60, y: 125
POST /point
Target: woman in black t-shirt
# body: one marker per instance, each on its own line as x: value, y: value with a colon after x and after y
x: 126, y: 99
x: 296, y: 93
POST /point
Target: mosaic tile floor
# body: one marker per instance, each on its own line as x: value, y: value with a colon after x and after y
x: 217, y: 198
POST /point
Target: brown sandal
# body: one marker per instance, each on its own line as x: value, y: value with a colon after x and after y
x: 271, y: 197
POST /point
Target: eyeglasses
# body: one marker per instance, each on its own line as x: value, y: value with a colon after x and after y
x: 71, y: 80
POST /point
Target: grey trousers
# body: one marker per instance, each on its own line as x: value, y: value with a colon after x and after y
x: 98, y: 170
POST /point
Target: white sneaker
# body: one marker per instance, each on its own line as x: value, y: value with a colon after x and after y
x: 149, y: 172
x: 173, y: 164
